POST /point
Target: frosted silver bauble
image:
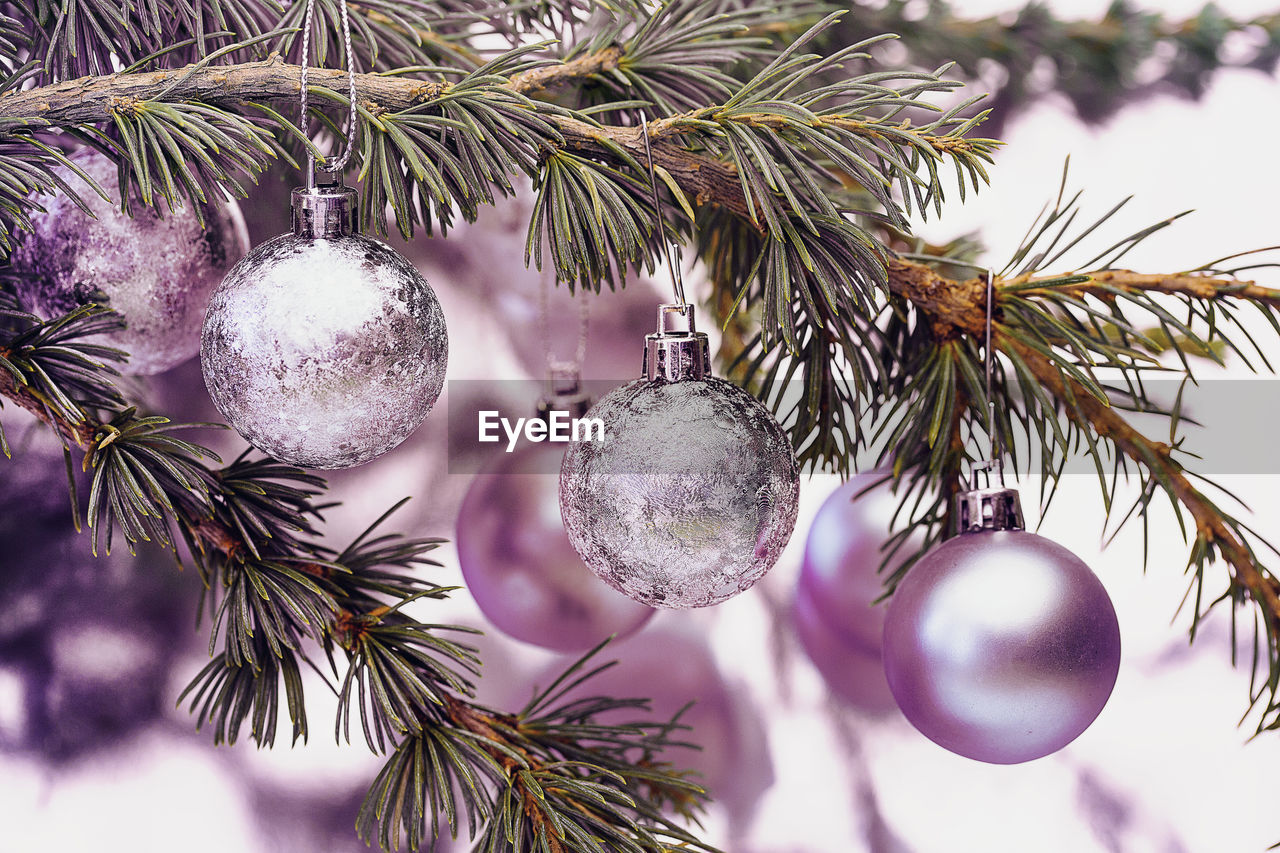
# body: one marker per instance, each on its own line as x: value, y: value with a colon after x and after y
x: 1000, y: 645
x: 324, y: 348
x: 692, y: 495
x: 156, y: 271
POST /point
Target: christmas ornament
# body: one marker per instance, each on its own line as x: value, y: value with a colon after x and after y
x: 673, y: 667
x: 324, y: 348
x: 999, y: 644
x: 851, y: 669
x: 841, y: 568
x: 692, y: 495
x: 156, y: 271
x: 516, y: 559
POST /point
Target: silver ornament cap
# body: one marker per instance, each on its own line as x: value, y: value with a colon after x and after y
x: 324, y: 209
x: 677, y: 351
x: 988, y: 509
x: 564, y: 394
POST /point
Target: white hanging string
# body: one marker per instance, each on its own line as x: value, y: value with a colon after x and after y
x: 995, y: 458
x: 555, y: 365
x: 677, y: 280
x: 338, y: 163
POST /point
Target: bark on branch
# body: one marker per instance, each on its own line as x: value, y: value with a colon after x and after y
x: 953, y: 308
x: 705, y: 180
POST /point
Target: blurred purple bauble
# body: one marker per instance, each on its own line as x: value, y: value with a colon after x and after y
x: 156, y: 271
x: 1001, y: 646
x: 842, y: 557
x: 86, y: 643
x: 518, y: 563
x: 672, y: 668
x: 852, y: 670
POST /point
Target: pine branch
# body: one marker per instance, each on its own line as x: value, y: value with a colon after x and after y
x: 97, y: 99
x: 1101, y: 65
x: 1214, y: 529
x: 1104, y: 284
x: 248, y: 525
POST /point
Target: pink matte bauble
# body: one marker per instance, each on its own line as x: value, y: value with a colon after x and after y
x: 672, y: 668
x: 518, y: 564
x: 852, y: 670
x: 842, y: 558
x: 1001, y: 646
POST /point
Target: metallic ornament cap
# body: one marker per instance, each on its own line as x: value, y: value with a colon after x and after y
x: 988, y: 509
x: 325, y: 209
x: 677, y: 351
x: 565, y: 394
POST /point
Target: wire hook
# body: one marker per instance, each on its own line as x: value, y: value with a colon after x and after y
x: 338, y: 163
x: 677, y: 280
x: 995, y: 457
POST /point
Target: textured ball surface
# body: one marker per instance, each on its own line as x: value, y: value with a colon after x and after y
x: 1001, y: 646
x: 156, y: 271
x: 324, y: 353
x: 840, y: 570
x: 518, y: 563
x: 690, y: 498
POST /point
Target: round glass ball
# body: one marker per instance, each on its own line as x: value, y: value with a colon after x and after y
x: 1001, y: 646
x: 519, y: 566
x: 324, y: 352
x: 157, y: 271
x: 690, y: 498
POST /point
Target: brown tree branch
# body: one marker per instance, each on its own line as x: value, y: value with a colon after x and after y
x: 80, y: 435
x: 1092, y: 414
x: 706, y: 180
x: 1191, y: 285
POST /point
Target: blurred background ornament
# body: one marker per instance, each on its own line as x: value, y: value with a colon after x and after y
x: 157, y: 271
x: 854, y: 672
x: 693, y: 494
x: 841, y: 571
x: 1000, y: 645
x: 86, y: 643
x: 834, y: 613
x: 672, y: 665
x: 516, y: 558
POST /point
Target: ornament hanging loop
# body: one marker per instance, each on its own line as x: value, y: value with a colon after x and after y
x: 328, y: 173
x: 564, y: 391
x: 995, y: 453
x: 677, y: 280
x: 990, y: 507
